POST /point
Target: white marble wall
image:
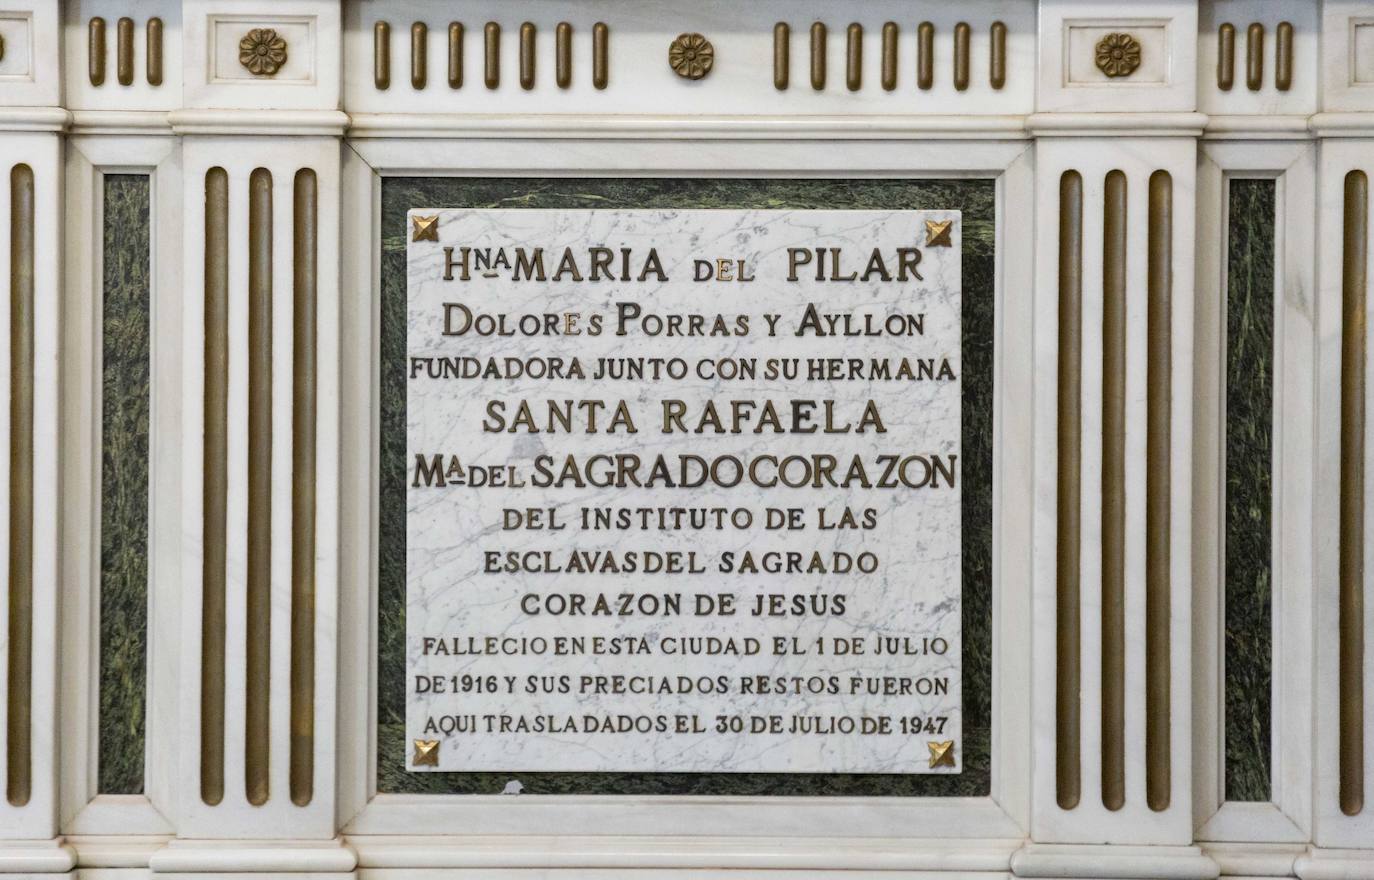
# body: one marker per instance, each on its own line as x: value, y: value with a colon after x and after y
x: 1053, y: 112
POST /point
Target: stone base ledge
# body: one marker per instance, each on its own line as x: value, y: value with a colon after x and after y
x: 203, y: 859
x: 1115, y: 862
x: 1336, y: 864
x: 36, y: 858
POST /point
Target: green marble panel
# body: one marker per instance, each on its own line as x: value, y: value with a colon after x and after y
x: 124, y: 484
x: 1249, y: 488
x: 974, y: 197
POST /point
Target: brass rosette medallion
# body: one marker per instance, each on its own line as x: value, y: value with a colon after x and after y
x: 1118, y: 55
x: 262, y: 51
x: 691, y: 56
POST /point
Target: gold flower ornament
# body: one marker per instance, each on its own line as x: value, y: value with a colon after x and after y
x: 262, y: 51
x: 1118, y: 55
x: 691, y: 56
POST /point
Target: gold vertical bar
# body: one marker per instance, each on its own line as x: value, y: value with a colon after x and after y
x: 997, y: 55
x: 1226, y: 56
x: 215, y: 486
x: 563, y: 61
x: 1254, y: 57
x: 1354, y: 280
x: 419, y: 55
x: 889, y: 56
x: 818, y: 56
x: 601, y: 64
x: 381, y: 55
x: 854, y: 57
x: 527, y: 55
x: 257, y: 673
x: 154, y: 62
x: 782, y: 55
x: 925, y: 55
x: 492, y: 33
x: 1158, y: 427
x: 1283, y: 57
x: 455, y: 54
x: 305, y: 292
x: 124, y: 51
x: 961, y: 36
x: 95, y: 50
x: 19, y: 727
x: 1068, y: 658
x: 1114, y: 492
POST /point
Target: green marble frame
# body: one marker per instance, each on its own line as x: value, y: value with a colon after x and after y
x: 976, y: 198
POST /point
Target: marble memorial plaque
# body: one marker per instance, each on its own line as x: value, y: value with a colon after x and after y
x: 683, y: 491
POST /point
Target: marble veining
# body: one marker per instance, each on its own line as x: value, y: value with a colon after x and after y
x: 973, y: 198
x: 125, y: 403
x: 1249, y: 489
x: 702, y: 713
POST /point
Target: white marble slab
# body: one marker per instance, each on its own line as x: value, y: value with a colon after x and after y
x: 502, y: 688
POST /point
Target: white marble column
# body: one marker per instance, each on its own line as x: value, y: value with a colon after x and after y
x: 31, y: 126
x: 1343, y: 794
x: 260, y: 129
x: 1116, y: 154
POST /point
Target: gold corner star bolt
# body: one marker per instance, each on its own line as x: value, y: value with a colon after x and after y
x: 941, y: 753
x: 427, y: 753
x: 424, y: 228
x: 937, y: 233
